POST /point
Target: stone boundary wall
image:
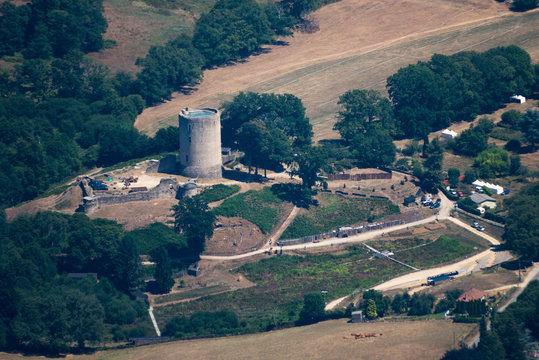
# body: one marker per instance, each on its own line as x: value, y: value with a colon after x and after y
x: 167, y: 189
x: 359, y: 177
x: 347, y: 232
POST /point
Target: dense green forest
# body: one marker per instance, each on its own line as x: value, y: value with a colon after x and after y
x: 45, y: 310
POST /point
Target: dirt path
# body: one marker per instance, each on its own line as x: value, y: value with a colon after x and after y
x: 284, y: 225
x: 312, y: 66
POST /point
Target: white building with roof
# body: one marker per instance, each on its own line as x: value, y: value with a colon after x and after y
x: 448, y: 134
x: 518, y: 99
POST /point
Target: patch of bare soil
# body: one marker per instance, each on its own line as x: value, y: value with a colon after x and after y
x: 215, y: 276
x: 480, y: 280
x: 234, y: 236
x: 67, y: 202
x: 496, y: 117
x: 135, y: 27
x: 137, y: 214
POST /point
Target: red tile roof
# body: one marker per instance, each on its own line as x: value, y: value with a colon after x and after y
x: 471, y: 294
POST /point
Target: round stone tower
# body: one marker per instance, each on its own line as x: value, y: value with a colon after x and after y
x: 200, y: 142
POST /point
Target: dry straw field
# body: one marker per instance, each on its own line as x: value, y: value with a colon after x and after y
x: 359, y: 44
x: 327, y: 340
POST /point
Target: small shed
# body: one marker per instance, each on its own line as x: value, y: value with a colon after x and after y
x: 448, y: 134
x: 357, y: 316
x: 139, y: 296
x: 194, y: 270
x: 518, y: 99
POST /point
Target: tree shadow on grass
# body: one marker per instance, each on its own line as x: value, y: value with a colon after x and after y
x: 294, y: 193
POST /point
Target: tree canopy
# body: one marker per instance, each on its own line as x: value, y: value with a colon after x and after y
x: 364, y: 110
x: 428, y: 96
x: 522, y: 223
x: 46, y: 311
x: 313, y: 309
x: 45, y: 28
x: 232, y: 30
x: 193, y: 218
x: 492, y: 162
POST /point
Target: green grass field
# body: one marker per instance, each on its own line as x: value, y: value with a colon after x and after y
x: 262, y: 208
x: 334, y: 211
x: 205, y: 291
x: 218, y: 192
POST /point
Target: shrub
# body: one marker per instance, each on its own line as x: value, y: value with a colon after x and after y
x: 494, y: 217
x: 421, y: 304
x: 493, y: 162
x: 513, y: 145
x: 511, y: 119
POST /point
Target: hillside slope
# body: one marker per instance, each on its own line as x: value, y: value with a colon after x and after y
x: 359, y: 44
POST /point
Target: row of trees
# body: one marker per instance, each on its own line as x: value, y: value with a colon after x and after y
x: 230, y: 31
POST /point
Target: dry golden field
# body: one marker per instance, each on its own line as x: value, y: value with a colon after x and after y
x: 359, y: 44
x: 328, y: 340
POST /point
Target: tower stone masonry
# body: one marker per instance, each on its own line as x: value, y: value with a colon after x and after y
x: 200, y: 142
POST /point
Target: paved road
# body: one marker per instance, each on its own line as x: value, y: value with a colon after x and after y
x: 533, y: 274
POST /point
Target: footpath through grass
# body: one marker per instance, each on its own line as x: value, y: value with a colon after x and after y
x: 334, y: 211
x: 263, y: 208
